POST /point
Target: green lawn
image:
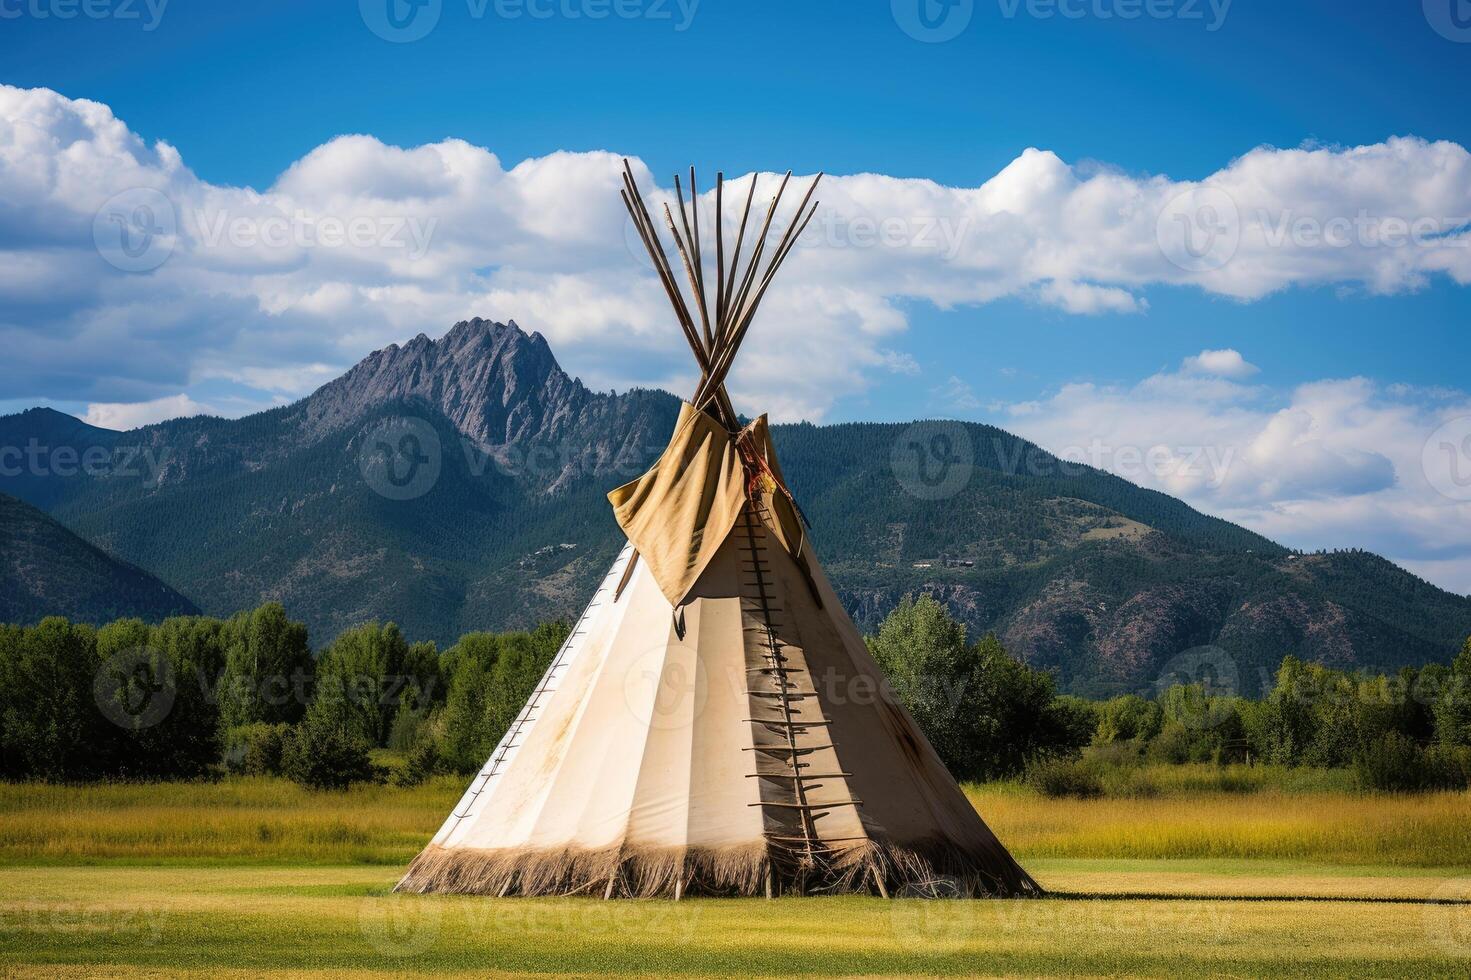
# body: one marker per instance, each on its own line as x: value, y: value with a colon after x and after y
x: 260, y: 877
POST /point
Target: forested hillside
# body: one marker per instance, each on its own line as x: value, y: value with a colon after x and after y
x: 458, y: 485
x: 46, y: 570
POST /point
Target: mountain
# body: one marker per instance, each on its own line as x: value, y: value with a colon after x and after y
x: 45, y: 570
x: 459, y: 484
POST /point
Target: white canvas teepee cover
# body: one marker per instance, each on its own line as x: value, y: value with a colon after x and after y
x: 714, y: 722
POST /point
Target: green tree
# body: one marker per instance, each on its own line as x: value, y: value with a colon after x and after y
x: 268, y: 668
x: 1128, y: 718
x: 1453, y: 707
x: 169, y: 716
x: 1011, y: 704
x: 364, y: 668
x: 465, y: 741
x: 326, y: 751
x: 1071, y: 722
x: 524, y: 658
x: 484, y: 648
x: 1285, y: 726
x: 491, y: 677
x: 50, y: 724
x: 985, y: 712
x: 924, y: 654
x: 423, y: 684
x: 257, y: 749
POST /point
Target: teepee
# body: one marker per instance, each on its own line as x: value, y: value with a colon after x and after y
x: 714, y: 723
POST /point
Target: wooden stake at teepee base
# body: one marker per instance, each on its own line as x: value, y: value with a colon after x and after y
x: 680, y: 743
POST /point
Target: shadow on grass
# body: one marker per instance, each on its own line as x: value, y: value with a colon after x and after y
x: 1184, y: 897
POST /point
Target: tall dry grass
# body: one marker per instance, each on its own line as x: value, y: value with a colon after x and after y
x: 1432, y: 830
x: 241, y: 820
x: 271, y: 821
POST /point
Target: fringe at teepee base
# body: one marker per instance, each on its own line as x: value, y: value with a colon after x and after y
x: 871, y: 868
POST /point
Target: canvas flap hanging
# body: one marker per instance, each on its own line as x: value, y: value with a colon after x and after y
x: 679, y: 513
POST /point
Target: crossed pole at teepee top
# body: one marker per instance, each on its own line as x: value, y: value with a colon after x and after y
x: 716, y: 339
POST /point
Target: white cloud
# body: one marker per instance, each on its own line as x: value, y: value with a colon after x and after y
x: 359, y: 244
x: 1084, y: 298
x: 1329, y: 464
x: 1226, y: 363
x: 898, y: 362
x: 132, y: 415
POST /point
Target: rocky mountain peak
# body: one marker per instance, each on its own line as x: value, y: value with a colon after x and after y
x: 493, y: 381
x: 501, y: 388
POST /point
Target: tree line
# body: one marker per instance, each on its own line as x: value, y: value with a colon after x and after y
x: 196, y: 696
x: 1404, y: 732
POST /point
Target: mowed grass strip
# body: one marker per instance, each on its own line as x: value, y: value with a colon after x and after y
x: 258, y: 876
x: 262, y: 821
x: 340, y: 921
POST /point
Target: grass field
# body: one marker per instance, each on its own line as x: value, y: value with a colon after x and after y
x: 261, y: 877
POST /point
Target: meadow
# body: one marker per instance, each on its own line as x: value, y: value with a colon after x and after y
x: 1212, y: 872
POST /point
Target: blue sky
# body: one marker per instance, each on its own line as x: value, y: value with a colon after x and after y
x: 246, y: 92
x: 243, y: 90
x: 812, y: 84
